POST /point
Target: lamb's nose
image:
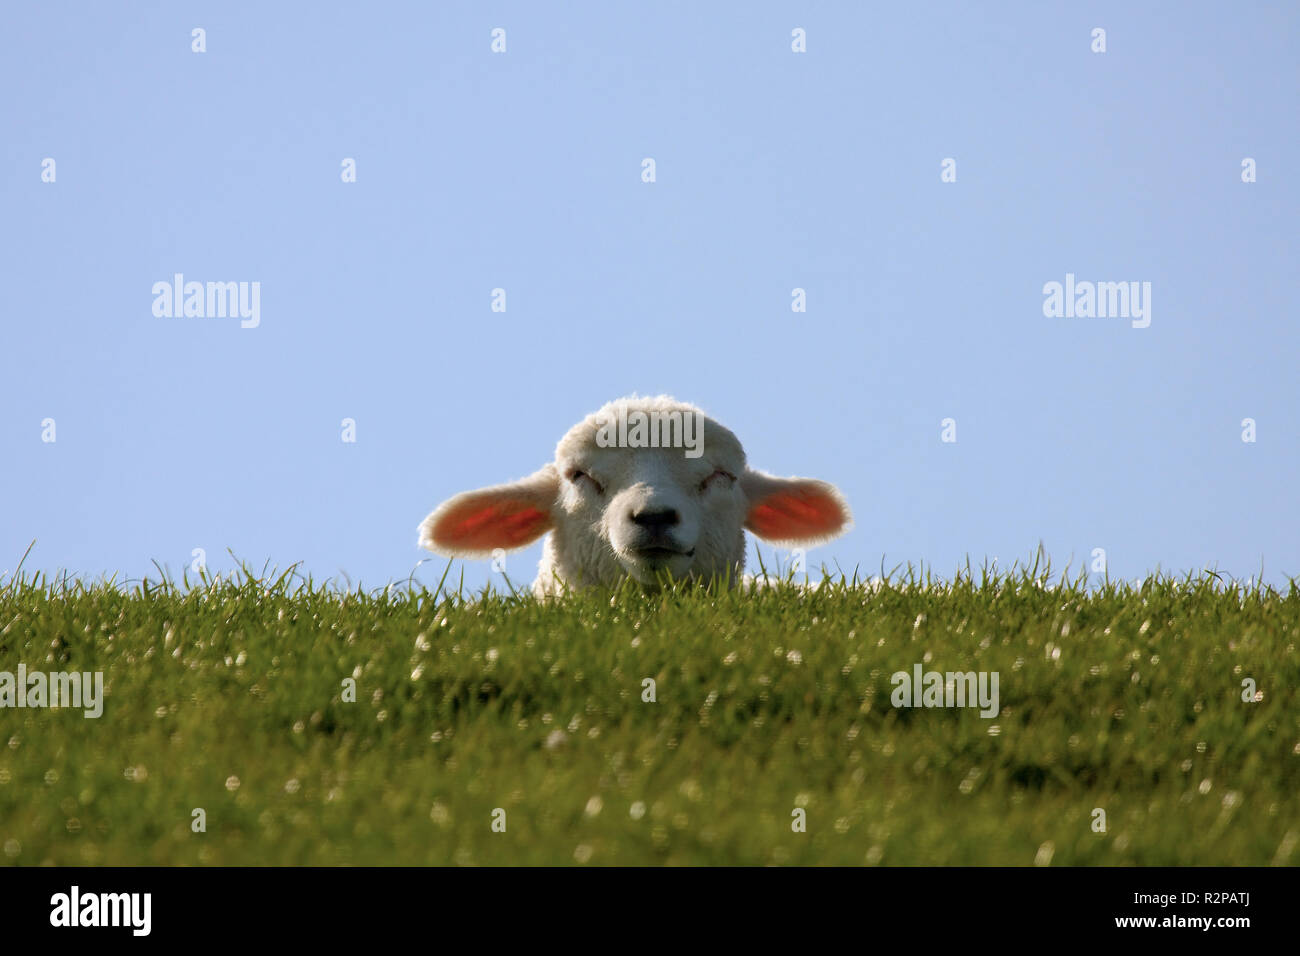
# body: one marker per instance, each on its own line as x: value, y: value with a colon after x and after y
x: 656, y: 520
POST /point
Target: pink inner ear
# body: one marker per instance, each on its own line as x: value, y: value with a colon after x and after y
x: 480, y: 525
x: 795, y: 515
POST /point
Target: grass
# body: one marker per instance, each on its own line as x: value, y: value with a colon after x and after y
x: 228, y: 695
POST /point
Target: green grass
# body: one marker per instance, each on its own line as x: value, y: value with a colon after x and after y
x: 227, y: 696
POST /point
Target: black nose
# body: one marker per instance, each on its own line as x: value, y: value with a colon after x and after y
x: 656, y: 520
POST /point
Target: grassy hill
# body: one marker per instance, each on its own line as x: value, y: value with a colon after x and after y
x: 229, y: 697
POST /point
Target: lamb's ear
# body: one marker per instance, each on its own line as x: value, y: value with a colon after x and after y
x: 475, y: 523
x: 794, y: 511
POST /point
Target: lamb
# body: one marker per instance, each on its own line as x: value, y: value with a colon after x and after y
x: 644, y: 488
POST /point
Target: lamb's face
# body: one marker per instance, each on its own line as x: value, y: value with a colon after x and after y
x: 676, y: 510
x: 644, y: 488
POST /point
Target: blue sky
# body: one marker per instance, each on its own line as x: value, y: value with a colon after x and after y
x: 774, y: 170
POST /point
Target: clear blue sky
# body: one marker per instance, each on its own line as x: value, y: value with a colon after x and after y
x: 775, y: 170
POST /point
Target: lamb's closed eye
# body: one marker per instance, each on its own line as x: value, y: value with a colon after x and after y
x: 719, y: 478
x: 584, y: 480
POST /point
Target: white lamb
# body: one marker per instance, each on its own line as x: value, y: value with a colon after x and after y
x: 643, y: 488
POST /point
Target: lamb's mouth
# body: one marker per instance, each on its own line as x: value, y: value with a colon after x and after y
x: 661, y: 554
